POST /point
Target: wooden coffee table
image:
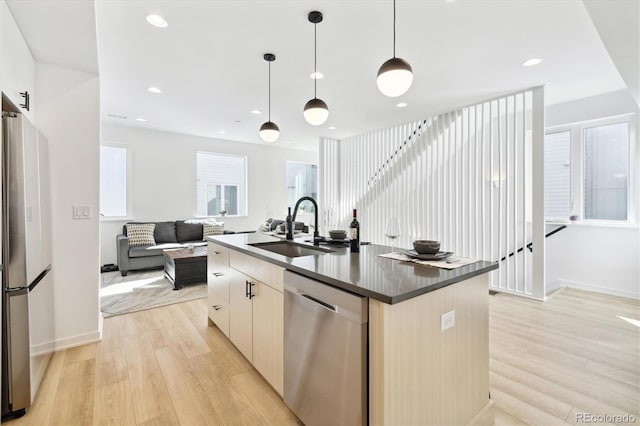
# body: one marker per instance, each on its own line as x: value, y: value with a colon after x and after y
x: 183, y: 266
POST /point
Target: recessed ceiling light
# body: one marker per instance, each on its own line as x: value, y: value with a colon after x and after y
x: 221, y: 132
x: 154, y: 89
x: 140, y: 119
x: 256, y: 111
x: 316, y: 75
x: 157, y: 21
x: 531, y: 62
x: 332, y: 127
x: 401, y: 104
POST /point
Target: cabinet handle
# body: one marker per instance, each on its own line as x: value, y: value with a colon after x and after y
x: 26, y: 96
x: 216, y: 307
x: 217, y: 274
x: 246, y: 288
x: 251, y: 295
x: 216, y: 252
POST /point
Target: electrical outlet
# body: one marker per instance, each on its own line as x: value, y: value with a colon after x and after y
x: 447, y: 320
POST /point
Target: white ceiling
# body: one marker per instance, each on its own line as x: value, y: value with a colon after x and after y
x: 209, y: 64
x: 59, y: 32
x: 618, y: 24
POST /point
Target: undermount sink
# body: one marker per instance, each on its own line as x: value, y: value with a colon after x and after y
x: 291, y: 249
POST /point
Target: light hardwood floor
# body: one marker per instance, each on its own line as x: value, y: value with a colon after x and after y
x: 550, y: 361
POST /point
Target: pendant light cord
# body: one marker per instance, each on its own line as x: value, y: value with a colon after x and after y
x: 269, y: 90
x: 315, y: 59
x: 394, y: 28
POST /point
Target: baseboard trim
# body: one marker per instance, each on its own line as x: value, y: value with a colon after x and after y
x: 484, y: 417
x: 79, y: 340
x: 43, y: 348
x: 595, y: 289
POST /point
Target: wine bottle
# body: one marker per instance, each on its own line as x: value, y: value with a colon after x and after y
x: 354, y: 233
x: 289, y: 226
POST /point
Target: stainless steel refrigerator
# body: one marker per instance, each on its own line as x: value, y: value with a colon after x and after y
x: 27, y: 297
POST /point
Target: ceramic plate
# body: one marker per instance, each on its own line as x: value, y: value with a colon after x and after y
x: 441, y: 255
x: 332, y: 241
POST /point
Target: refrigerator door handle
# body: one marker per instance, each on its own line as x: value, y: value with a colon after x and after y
x: 16, y: 291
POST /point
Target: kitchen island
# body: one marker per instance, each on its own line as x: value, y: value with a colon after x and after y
x: 428, y: 349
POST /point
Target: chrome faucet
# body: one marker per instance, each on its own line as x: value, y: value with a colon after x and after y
x: 316, y: 235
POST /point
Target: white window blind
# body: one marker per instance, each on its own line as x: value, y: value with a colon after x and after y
x: 113, y: 181
x: 557, y: 175
x: 221, y: 184
x: 606, y: 171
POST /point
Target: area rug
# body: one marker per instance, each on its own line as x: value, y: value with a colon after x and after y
x: 142, y: 290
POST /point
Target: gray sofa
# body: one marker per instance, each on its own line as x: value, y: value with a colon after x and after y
x: 167, y: 235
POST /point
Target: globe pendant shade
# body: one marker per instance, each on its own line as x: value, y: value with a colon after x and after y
x: 269, y: 132
x: 316, y: 112
x: 395, y: 77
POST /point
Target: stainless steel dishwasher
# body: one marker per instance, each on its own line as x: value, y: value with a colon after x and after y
x: 325, y: 352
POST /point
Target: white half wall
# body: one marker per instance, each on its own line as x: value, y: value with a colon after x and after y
x: 69, y: 115
x: 593, y: 257
x: 163, y: 178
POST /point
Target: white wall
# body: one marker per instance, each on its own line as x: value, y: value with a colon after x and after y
x: 598, y: 258
x: 69, y: 115
x: 2, y: 6
x: 164, y: 179
x: 591, y: 108
x: 594, y: 258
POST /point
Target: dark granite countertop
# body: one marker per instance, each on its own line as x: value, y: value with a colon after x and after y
x: 365, y: 273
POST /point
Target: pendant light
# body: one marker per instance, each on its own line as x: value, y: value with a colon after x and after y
x: 269, y: 131
x: 395, y: 75
x: 316, y: 111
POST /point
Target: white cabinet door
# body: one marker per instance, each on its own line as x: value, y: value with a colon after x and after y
x: 18, y: 66
x: 240, y: 313
x: 268, y: 334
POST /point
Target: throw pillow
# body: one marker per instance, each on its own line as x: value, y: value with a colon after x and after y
x: 141, y: 234
x: 212, y: 229
x: 165, y: 232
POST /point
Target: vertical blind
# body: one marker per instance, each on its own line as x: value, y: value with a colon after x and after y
x: 464, y: 178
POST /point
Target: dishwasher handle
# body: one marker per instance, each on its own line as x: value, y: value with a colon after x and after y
x: 333, y: 308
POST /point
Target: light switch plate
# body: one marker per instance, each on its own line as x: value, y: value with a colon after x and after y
x: 447, y: 320
x: 81, y: 211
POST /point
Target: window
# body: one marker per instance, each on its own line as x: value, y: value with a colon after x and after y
x: 221, y: 184
x: 113, y: 181
x: 606, y: 171
x: 587, y: 170
x: 557, y: 175
x: 222, y: 197
x: 302, y: 180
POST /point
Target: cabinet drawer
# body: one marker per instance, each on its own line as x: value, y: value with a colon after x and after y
x: 218, y: 270
x: 219, y: 311
x: 270, y: 274
x: 217, y: 254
